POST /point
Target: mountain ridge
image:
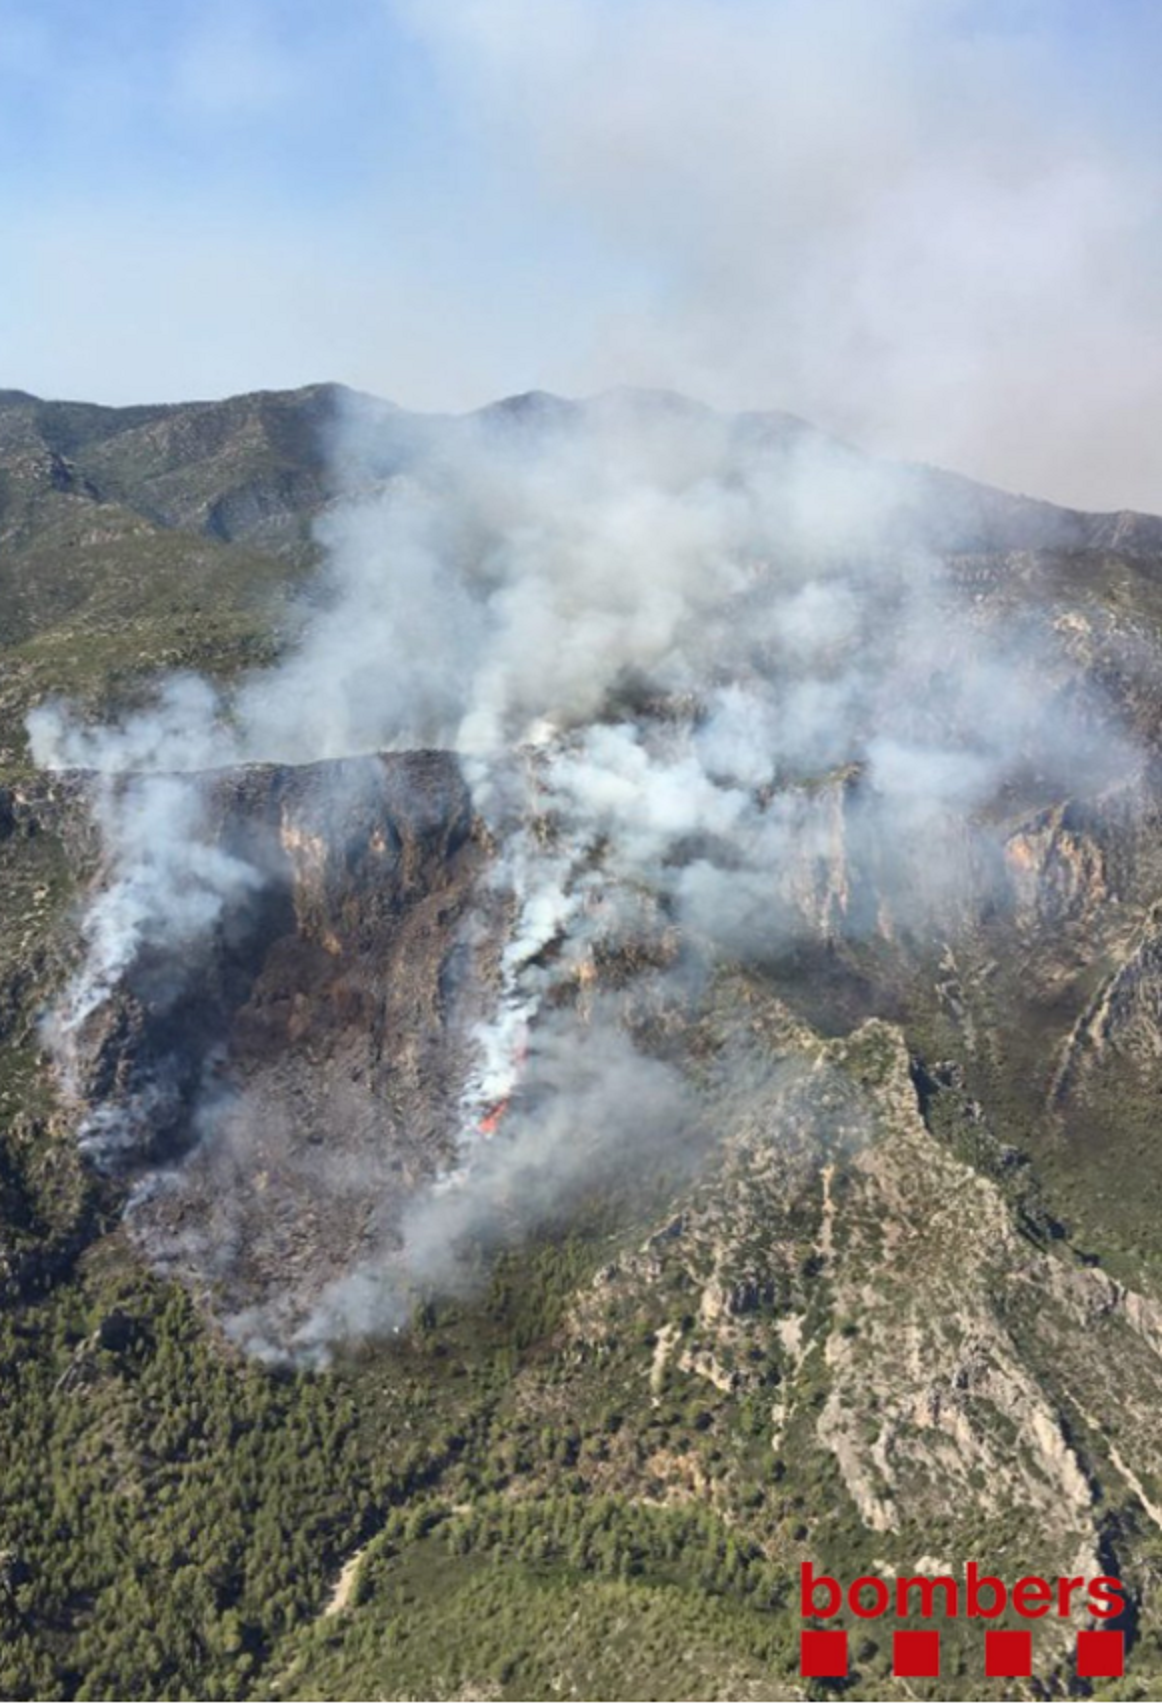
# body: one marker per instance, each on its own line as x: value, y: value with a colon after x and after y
x: 64, y: 417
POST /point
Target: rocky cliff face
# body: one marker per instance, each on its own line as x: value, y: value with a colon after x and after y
x: 291, y: 1090
x: 930, y: 1368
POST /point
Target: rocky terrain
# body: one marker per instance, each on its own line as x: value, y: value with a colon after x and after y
x: 896, y: 1301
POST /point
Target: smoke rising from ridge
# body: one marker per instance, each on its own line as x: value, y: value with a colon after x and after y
x: 929, y: 226
x: 710, y: 683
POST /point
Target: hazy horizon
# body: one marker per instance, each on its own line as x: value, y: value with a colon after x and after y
x: 929, y: 228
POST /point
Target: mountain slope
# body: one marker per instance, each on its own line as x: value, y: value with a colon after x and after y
x: 894, y: 1299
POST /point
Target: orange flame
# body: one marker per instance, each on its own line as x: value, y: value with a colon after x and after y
x: 490, y: 1123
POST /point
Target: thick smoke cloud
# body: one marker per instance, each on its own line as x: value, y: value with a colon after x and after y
x: 928, y: 224
x: 708, y: 680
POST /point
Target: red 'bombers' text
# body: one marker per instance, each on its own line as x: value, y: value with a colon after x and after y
x: 981, y: 1594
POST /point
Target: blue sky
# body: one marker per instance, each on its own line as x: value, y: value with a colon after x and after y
x: 198, y: 199
x: 931, y: 224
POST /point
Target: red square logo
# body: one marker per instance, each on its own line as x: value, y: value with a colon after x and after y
x: 1101, y: 1654
x: 822, y: 1655
x: 916, y: 1654
x: 1008, y: 1654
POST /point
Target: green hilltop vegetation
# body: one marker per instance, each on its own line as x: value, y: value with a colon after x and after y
x: 140, y: 540
x: 596, y: 1475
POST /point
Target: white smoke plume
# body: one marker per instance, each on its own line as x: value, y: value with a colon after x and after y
x: 707, y: 669
x: 588, y: 1096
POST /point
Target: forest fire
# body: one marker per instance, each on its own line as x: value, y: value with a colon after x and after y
x: 490, y: 1123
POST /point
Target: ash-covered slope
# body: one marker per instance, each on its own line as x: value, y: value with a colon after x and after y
x: 293, y: 1083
